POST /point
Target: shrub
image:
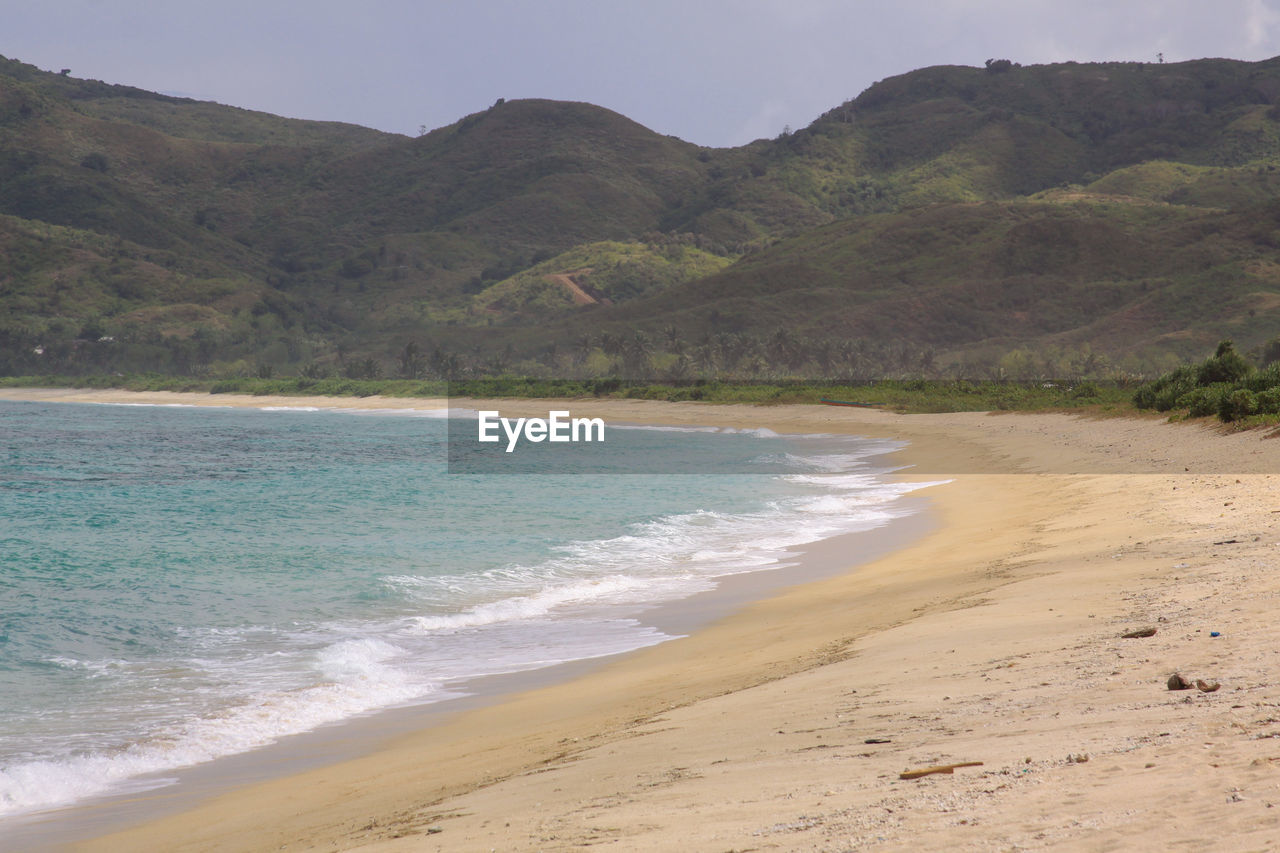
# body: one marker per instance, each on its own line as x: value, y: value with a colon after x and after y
x: 1227, y: 365
x: 1270, y: 352
x: 1227, y: 368
x: 1145, y: 396
x: 605, y: 386
x: 356, y: 267
x: 95, y: 161
x: 1261, y: 380
x: 1202, y: 402
x: 1167, y: 396
x: 1269, y: 402
x: 227, y: 386
x: 1238, y: 404
x: 368, y: 368
x: 1085, y: 391
x: 1162, y: 394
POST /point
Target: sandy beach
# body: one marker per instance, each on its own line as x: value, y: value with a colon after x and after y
x: 996, y: 638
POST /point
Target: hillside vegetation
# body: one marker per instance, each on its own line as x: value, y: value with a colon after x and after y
x: 997, y: 221
x: 603, y: 273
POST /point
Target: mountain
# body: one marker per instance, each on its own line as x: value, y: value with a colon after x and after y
x: 952, y: 217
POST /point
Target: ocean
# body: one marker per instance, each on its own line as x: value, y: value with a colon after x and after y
x: 179, y: 584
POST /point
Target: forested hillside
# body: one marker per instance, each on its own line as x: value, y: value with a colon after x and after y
x: 996, y: 220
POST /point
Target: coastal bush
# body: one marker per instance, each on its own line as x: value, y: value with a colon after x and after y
x: 1261, y: 380
x: 1168, y: 390
x: 1269, y: 401
x: 1270, y: 353
x: 1227, y: 365
x: 1085, y: 391
x: 227, y: 386
x: 1225, y: 384
x: 1202, y: 402
x: 1237, y: 405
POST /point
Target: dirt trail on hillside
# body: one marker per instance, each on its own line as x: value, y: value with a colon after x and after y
x: 576, y: 292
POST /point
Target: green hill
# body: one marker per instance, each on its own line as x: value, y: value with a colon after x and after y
x: 1069, y: 270
x: 1123, y: 209
x: 596, y: 274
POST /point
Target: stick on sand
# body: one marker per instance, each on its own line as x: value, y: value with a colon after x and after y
x: 939, y: 768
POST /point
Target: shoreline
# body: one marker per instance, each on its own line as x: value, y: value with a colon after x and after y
x: 353, y: 737
x: 994, y: 638
x: 186, y: 787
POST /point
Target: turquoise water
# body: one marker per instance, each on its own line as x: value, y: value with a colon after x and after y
x: 180, y: 583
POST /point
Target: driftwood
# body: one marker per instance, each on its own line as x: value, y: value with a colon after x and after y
x: 938, y: 768
x: 1141, y: 632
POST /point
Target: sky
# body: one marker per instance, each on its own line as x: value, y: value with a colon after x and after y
x: 712, y: 72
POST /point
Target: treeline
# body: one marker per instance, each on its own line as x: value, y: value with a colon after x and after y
x: 259, y: 339
x: 670, y: 356
x: 915, y: 395
x: 1225, y: 385
x: 268, y: 344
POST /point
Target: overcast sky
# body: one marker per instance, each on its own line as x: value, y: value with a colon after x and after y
x: 714, y: 72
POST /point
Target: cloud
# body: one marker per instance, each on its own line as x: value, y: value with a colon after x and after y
x: 1260, y: 22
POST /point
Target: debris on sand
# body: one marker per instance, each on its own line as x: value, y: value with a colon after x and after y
x: 937, y: 768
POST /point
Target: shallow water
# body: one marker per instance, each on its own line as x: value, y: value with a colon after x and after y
x: 185, y: 583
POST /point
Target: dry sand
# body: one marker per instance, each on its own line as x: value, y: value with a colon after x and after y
x: 995, y: 639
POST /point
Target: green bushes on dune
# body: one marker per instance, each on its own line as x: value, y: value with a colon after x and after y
x: 1226, y: 385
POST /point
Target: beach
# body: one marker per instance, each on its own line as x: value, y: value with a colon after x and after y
x: 994, y: 638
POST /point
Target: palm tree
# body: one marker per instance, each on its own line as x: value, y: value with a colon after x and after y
x: 610, y: 343
x: 681, y: 368
x: 411, y: 361
x: 675, y: 343
x: 824, y: 353
x: 635, y: 355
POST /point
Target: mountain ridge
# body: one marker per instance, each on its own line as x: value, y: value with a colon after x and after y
x: 281, y: 244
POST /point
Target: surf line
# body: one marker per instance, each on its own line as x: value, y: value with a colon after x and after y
x: 557, y: 426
